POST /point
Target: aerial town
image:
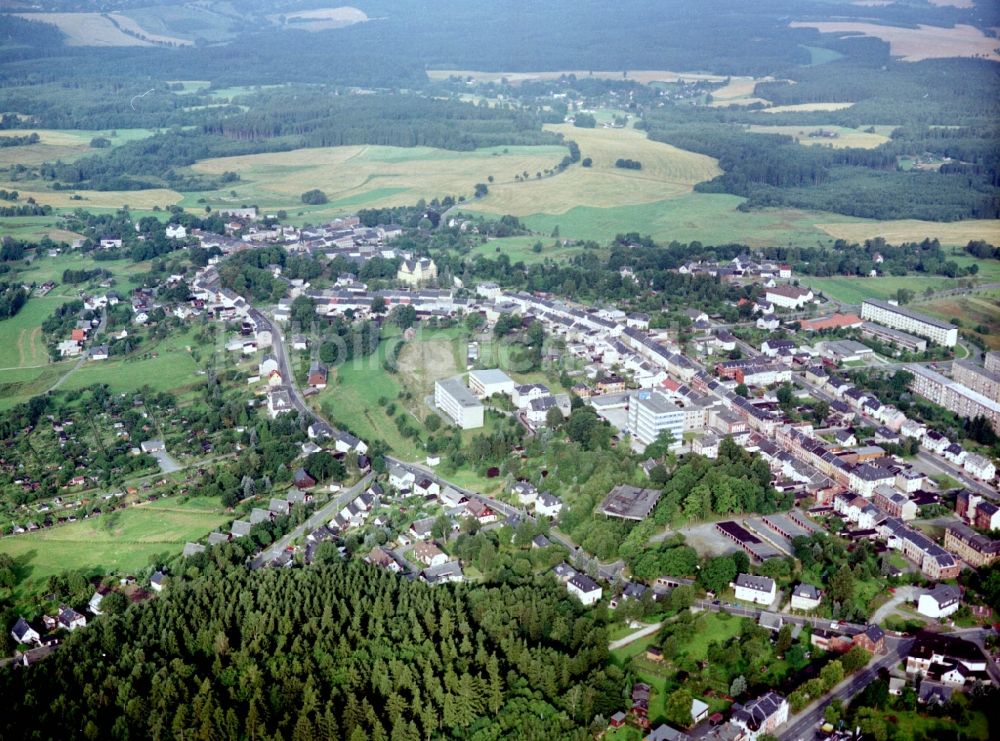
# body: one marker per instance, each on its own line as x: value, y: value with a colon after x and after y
x: 563, y: 370
x: 843, y: 463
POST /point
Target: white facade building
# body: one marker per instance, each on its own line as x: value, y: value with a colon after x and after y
x: 897, y: 317
x: 650, y: 413
x: 759, y: 589
x: 584, y: 589
x: 485, y: 383
x: 454, y: 399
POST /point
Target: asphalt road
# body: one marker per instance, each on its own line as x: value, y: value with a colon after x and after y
x: 280, y: 350
x: 319, y: 517
x: 804, y: 725
x: 755, y: 612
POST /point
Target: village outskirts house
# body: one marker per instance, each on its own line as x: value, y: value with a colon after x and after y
x: 758, y: 589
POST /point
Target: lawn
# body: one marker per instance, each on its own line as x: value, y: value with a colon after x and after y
x: 168, y: 365
x: 854, y: 290
x: 21, y: 344
x: 521, y: 249
x: 977, y: 310
x: 355, y: 388
x: 710, y: 218
x: 911, y: 726
x: 121, y: 541
x: 711, y: 628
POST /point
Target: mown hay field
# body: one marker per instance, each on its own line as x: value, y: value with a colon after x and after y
x: 845, y: 137
x: 915, y: 44
x: 366, y: 176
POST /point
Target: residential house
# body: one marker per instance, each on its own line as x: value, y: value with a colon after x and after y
x: 22, y: 632
x: 940, y: 602
x: 584, y: 589
x: 548, y: 505
x: 806, y: 597
x: 317, y: 375
x: 872, y: 639
x: 759, y: 589
x: 382, y: 558
x: 303, y: 479
x: 761, y: 716
x: 445, y: 573
x: 70, y: 619
x: 429, y: 554
x: 525, y: 492
x: 157, y: 581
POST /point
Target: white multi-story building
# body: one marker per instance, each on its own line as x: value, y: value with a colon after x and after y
x: 953, y: 396
x: 584, y: 589
x: 759, y: 589
x: 485, y: 383
x: 454, y: 399
x: 940, y: 602
x: 980, y: 380
x: 650, y: 413
x: 789, y: 297
x: 891, y: 315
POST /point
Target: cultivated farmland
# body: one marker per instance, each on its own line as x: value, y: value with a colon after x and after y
x: 911, y: 230
x: 65, y: 145
x: 367, y: 176
x: 824, y: 135
x: 94, y: 29
x: 667, y: 172
x: 321, y: 19
x: 914, y: 44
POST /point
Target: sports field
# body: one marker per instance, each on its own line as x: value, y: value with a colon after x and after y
x: 123, y: 541
x: 368, y: 176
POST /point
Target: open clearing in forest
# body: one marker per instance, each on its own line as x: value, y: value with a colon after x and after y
x: 369, y: 176
x: 321, y: 19
x: 94, y: 29
x: 122, y: 541
x: 806, y: 107
x: 646, y: 76
x: 845, y: 137
x: 667, y: 172
x: 915, y: 44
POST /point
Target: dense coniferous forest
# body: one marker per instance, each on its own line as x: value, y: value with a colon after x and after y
x: 331, y: 652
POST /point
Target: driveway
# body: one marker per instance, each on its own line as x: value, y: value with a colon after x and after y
x: 903, y: 594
